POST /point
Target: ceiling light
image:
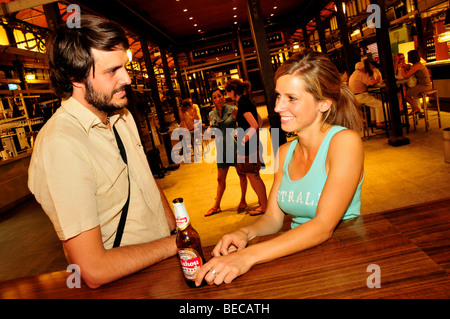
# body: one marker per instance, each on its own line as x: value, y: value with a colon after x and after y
x: 234, y: 8
x: 190, y: 18
x: 275, y: 8
x: 184, y: 10
x: 195, y: 25
x: 235, y: 16
x: 444, y: 37
x: 199, y: 30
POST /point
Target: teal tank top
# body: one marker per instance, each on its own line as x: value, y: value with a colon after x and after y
x: 300, y: 198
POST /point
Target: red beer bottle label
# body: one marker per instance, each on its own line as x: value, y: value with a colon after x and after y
x: 190, y: 262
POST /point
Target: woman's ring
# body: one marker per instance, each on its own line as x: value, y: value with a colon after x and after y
x: 214, y: 272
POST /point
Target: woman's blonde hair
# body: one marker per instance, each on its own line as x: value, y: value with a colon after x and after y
x: 322, y: 79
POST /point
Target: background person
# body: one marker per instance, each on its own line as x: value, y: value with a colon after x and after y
x: 188, y: 117
x: 223, y: 117
x: 77, y: 172
x: 358, y: 83
x: 248, y: 161
x: 422, y: 75
x: 321, y: 171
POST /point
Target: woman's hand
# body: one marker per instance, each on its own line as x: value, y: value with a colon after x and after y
x: 228, y: 262
x: 229, y: 243
x: 224, y: 269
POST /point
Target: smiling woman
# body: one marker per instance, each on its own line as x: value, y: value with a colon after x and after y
x: 321, y: 176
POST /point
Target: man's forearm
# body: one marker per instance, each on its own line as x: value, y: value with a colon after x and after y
x: 116, y: 263
x: 126, y: 260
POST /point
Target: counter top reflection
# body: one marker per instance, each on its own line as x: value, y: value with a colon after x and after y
x: 405, y: 251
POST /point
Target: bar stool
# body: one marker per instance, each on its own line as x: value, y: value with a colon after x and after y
x: 424, y: 96
x: 364, y: 109
x: 415, y: 117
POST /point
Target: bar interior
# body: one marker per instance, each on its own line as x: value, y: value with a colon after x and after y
x: 181, y: 49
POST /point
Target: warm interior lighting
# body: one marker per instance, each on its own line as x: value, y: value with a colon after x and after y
x: 427, y: 99
x: 30, y: 76
x: 444, y: 37
x: 130, y: 55
x: 343, y: 7
x: 3, y: 37
x: 354, y: 33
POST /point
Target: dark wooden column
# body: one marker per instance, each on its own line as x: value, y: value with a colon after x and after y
x: 168, y: 77
x: 184, y: 92
x: 52, y: 15
x: 385, y: 54
x: 241, y: 53
x: 265, y: 67
x: 422, y: 48
x: 163, y: 127
x: 343, y: 32
x: 321, y: 32
x: 305, y: 36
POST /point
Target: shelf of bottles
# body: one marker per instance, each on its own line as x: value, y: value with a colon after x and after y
x: 431, y: 51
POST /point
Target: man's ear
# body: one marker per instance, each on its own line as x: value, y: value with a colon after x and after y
x: 325, y: 105
x: 78, y: 85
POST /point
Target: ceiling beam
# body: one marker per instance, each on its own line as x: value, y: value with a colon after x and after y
x: 7, y: 8
x: 130, y: 18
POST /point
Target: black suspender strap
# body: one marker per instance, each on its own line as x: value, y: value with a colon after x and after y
x: 123, y: 217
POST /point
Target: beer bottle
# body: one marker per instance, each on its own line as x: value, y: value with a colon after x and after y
x: 190, y: 250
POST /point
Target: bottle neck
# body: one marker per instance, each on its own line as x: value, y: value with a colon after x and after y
x: 181, y: 216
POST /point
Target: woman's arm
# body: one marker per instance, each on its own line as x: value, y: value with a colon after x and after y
x: 411, y: 71
x: 235, y: 112
x: 269, y: 223
x: 345, y: 153
x: 253, y: 124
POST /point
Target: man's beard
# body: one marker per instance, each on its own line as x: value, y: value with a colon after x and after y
x: 102, y: 101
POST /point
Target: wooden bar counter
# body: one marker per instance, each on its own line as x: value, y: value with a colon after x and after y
x: 409, y: 247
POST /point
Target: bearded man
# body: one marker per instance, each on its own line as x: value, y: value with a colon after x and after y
x: 88, y: 168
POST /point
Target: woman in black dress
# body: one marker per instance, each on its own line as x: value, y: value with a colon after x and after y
x: 248, y: 161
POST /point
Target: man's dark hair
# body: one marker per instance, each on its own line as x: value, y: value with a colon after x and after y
x: 69, y: 50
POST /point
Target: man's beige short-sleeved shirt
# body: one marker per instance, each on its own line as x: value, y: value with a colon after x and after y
x: 78, y: 176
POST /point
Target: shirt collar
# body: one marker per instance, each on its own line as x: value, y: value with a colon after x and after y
x: 85, y: 117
